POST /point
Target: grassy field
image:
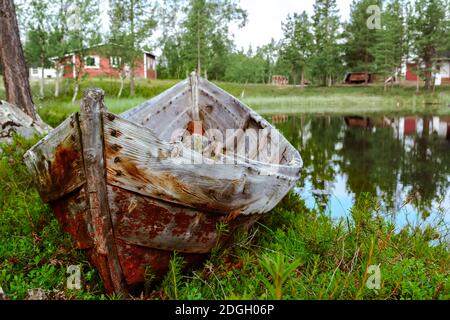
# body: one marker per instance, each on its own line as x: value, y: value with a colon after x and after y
x: 265, y: 99
x: 292, y: 253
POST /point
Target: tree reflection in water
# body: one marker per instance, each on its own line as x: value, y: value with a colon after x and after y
x: 403, y: 161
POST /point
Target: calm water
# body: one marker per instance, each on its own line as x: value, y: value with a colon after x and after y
x: 404, y: 161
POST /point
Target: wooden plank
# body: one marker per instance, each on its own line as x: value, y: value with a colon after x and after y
x: 148, y: 222
x: 92, y: 141
x: 144, y: 108
x: 137, y: 160
x: 55, y: 162
x: 72, y: 212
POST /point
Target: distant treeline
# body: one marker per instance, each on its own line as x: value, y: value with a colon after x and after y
x: 194, y: 34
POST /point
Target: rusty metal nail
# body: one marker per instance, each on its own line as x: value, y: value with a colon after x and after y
x: 116, y: 159
x: 111, y: 117
x: 114, y: 133
x: 118, y: 173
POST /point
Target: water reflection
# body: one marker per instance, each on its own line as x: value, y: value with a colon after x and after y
x: 404, y: 161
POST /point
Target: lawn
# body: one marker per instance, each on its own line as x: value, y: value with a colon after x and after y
x: 292, y: 253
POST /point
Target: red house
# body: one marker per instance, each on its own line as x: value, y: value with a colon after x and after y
x: 98, y: 64
x: 440, y: 68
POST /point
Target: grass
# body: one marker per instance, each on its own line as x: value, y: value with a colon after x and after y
x: 266, y: 99
x: 292, y: 253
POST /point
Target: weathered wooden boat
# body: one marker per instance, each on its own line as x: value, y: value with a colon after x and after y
x: 130, y: 191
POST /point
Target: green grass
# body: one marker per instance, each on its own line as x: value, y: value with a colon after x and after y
x: 292, y: 253
x: 34, y: 252
x: 266, y: 99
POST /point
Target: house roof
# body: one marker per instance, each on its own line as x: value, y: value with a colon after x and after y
x: 444, y: 55
x: 97, y: 46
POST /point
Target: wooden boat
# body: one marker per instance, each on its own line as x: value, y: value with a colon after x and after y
x: 130, y: 192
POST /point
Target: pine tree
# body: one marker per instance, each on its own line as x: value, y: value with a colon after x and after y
x: 360, y: 38
x: 269, y: 54
x: 390, y: 44
x: 430, y: 29
x: 195, y: 35
x: 297, y: 44
x: 206, y: 33
x: 326, y: 63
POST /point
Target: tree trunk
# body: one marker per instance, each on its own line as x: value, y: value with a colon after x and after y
x: 302, y: 79
x: 57, y: 66
x: 131, y: 82
x: 366, y: 61
x: 15, y: 75
x: 122, y: 81
x: 427, y: 74
x: 75, y: 91
x: 42, y: 83
x: 417, y: 83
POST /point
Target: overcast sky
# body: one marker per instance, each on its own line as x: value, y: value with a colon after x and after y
x: 264, y: 19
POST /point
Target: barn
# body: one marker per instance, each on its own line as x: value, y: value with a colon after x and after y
x: 99, y: 64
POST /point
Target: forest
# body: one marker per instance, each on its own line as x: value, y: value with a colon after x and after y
x: 195, y: 34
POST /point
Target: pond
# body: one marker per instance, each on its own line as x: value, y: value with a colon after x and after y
x: 404, y: 162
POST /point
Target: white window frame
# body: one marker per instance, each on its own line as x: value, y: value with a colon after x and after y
x: 97, y: 62
x: 115, y: 65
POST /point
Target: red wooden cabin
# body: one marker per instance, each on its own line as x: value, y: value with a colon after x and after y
x: 98, y: 64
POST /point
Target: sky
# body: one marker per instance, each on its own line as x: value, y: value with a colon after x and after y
x: 264, y: 19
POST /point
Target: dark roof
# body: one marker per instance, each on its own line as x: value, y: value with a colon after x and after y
x: 443, y: 55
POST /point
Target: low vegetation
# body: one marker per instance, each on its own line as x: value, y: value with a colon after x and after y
x: 266, y: 99
x: 292, y: 253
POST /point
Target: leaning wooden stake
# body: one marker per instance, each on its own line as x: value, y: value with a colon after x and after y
x: 91, y: 126
x: 194, y: 93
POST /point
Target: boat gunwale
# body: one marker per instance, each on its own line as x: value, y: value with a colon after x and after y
x: 295, y: 164
x: 248, y: 163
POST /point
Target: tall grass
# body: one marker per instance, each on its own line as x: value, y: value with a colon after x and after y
x: 292, y: 253
x: 296, y: 253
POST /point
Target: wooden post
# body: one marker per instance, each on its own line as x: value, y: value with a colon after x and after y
x: 91, y: 126
x: 194, y: 93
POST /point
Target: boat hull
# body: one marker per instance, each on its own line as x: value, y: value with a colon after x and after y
x: 130, y: 198
x: 146, y: 233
